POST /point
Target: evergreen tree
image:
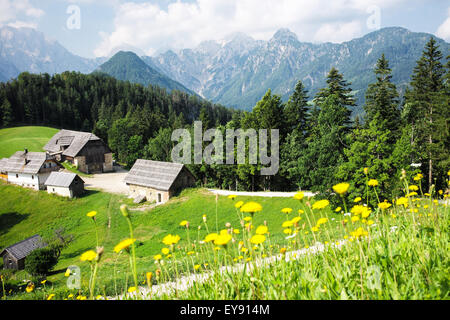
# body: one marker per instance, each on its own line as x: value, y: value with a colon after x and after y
x: 382, y: 100
x: 336, y: 85
x: 425, y: 105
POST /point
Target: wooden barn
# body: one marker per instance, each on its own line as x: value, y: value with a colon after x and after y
x: 65, y: 184
x: 84, y: 150
x: 30, y: 169
x: 157, y: 181
x: 14, y: 256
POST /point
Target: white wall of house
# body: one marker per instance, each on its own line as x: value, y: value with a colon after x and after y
x: 65, y: 192
x: 24, y: 179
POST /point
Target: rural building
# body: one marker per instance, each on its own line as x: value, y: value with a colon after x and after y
x: 3, y: 173
x: 84, y: 150
x: 157, y: 181
x: 14, y: 256
x: 65, y: 184
x: 30, y: 169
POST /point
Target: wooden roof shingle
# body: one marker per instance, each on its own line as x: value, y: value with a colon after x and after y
x: 75, y: 140
x: 25, y: 162
x: 61, y: 179
x: 23, y: 248
x: 154, y: 174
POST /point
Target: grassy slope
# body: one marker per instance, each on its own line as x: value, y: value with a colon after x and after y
x: 19, y: 138
x: 25, y: 212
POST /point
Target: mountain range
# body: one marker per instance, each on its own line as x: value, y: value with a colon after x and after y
x: 235, y: 71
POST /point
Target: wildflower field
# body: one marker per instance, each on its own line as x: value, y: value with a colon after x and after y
x: 205, y: 247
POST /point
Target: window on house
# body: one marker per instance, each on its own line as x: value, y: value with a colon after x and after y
x: 159, y: 197
x: 17, y: 176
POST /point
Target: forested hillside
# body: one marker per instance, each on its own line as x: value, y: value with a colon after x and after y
x: 320, y: 145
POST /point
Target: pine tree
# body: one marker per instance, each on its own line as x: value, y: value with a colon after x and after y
x: 296, y: 110
x: 425, y: 105
x: 336, y: 85
x: 6, y: 113
x: 382, y: 100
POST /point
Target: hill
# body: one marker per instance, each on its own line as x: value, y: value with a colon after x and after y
x: 127, y: 66
x: 25, y: 213
x: 19, y: 138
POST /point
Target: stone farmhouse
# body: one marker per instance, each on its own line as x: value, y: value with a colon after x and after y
x: 29, y: 169
x: 14, y: 256
x: 65, y: 184
x: 84, y: 150
x: 156, y: 181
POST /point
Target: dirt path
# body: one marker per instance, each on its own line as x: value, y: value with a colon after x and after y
x: 259, y: 194
x: 109, y: 182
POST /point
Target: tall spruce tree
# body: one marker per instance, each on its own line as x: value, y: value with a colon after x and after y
x: 336, y: 85
x: 382, y: 100
x: 425, y: 105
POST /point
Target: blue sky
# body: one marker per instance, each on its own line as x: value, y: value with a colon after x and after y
x: 150, y: 27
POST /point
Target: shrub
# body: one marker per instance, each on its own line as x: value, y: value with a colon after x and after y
x: 40, y: 261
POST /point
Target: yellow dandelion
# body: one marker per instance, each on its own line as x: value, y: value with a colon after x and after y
x: 30, y: 287
x: 296, y: 220
x: 251, y: 207
x: 357, y: 199
x: 341, y: 188
x: 287, y: 224
x: 132, y: 289
x: 91, y: 214
x: 183, y: 223
x: 124, y: 244
x: 321, y: 204
x: 338, y: 209
x: 238, y: 204
x: 257, y: 239
x: 315, y: 229
x: 88, y: 256
x: 321, y: 221
x: 211, y: 237
x: 418, y: 177
x: 51, y: 296
x: 287, y: 231
x: 384, y: 205
x: 157, y: 257
x: 222, y: 239
x: 231, y: 196
x: 286, y: 210
x: 165, y: 251
x: 413, y: 187
x: 372, y: 183
x: 299, y: 195
x: 402, y: 202
x: 196, y: 267
x: 262, y: 230
x: 171, y: 239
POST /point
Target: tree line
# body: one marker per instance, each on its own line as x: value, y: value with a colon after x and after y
x: 320, y: 144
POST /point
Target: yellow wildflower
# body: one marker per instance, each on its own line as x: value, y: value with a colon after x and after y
x: 355, y: 218
x: 287, y: 224
x: 358, y: 233
x: 67, y: 273
x: 315, y: 229
x: 321, y: 221
x: 238, y: 204
x: 51, y: 296
x: 321, y: 204
x: 211, y: 237
x: 196, y: 267
x: 257, y: 239
x: 338, y: 209
x: 91, y: 214
x: 413, y: 187
x: 299, y: 195
x: 30, y: 287
x: 262, y: 230
x: 251, y: 207
x: 170, y: 239
x: 341, y: 188
x: 418, y: 177
x: 402, y: 201
x: 124, y: 245
x: 132, y: 289
x: 286, y: 210
x: 165, y: 251
x: 287, y: 231
x: 232, y: 196
x: 222, y: 239
x: 157, y: 257
x: 384, y: 205
x: 88, y: 256
x: 183, y: 223
x: 247, y: 219
x: 372, y: 183
x: 357, y: 199
x: 295, y: 220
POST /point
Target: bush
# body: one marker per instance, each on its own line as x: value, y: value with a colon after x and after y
x: 40, y: 261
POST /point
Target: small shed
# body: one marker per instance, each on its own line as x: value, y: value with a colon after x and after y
x: 14, y: 256
x: 158, y: 181
x: 65, y: 184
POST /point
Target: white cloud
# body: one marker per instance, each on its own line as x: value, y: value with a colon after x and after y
x: 10, y: 10
x: 185, y: 25
x: 444, y: 29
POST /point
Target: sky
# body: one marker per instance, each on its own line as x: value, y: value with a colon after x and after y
x: 97, y: 28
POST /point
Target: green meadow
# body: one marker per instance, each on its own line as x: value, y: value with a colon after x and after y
x: 20, y: 138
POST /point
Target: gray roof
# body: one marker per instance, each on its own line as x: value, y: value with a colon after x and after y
x: 3, y: 164
x: 25, y: 162
x: 61, y: 179
x: 23, y: 248
x: 74, y: 140
x: 154, y: 174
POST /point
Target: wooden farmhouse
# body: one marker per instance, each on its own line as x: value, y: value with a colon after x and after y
x: 156, y: 181
x: 3, y: 173
x: 14, y: 256
x: 29, y: 169
x: 65, y: 184
x: 84, y: 150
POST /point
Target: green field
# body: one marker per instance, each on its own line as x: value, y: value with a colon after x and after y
x: 25, y: 213
x: 20, y: 138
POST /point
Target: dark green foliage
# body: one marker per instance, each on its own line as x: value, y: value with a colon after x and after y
x: 40, y: 261
x: 127, y: 66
